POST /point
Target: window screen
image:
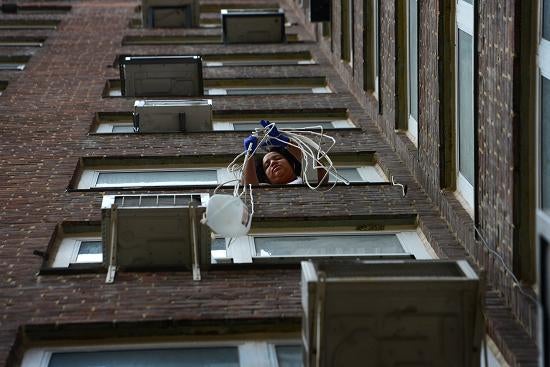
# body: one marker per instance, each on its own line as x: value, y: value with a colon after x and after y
x: 328, y: 245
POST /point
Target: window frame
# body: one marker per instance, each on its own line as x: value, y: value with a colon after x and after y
x: 371, y: 47
x: 89, y: 177
x: 287, y: 89
x: 412, y: 123
x: 251, y: 353
x: 228, y: 125
x: 243, y: 250
x: 68, y: 249
x: 346, y: 25
x: 464, y: 22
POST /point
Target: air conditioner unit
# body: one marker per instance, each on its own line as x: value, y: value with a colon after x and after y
x: 192, y: 115
x: 319, y: 10
x: 391, y: 313
x: 155, y: 232
x: 161, y: 76
x: 253, y: 26
x: 170, y: 13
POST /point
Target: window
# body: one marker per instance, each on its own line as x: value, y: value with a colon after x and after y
x: 543, y: 184
x: 13, y: 62
x: 269, y: 86
x: 110, y: 178
x: 29, y: 24
x: 346, y: 52
x: 372, y: 173
x: 158, y: 176
x: 258, y: 59
x: 21, y: 41
x: 544, y: 109
x: 272, y: 353
x: 412, y: 70
x: 78, y: 250
x: 295, y: 244
x: 121, y: 122
x: 182, y: 40
x: 465, y: 101
x: 371, y: 48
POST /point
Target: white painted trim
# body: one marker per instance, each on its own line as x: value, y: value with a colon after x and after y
x: 108, y: 127
x: 412, y: 130
x: 371, y: 174
x: 465, y: 17
x: 544, y: 58
x: 466, y: 190
x: 413, y: 244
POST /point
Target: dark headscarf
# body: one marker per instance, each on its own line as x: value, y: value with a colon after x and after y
x: 294, y: 163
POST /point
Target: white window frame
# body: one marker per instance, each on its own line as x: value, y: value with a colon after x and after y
x: 67, y: 252
x: 16, y: 66
x: 223, y: 91
x: 224, y: 125
x: 243, y: 249
x: 465, y: 23
x: 265, y: 62
x: 251, y: 353
x: 89, y: 177
x: 370, y: 173
x: 412, y: 123
x: 108, y: 127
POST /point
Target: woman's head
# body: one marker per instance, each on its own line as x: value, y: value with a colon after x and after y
x: 278, y: 167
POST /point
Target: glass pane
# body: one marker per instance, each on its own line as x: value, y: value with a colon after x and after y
x: 328, y: 245
x: 123, y: 129
x: 545, y: 143
x: 289, y: 356
x: 192, y: 357
x: 152, y: 178
x: 468, y: 1
x: 218, y: 248
x: 546, y: 19
x: 248, y: 126
x: 90, y: 252
x: 250, y: 91
x: 465, y: 106
x: 350, y: 174
x: 413, y: 59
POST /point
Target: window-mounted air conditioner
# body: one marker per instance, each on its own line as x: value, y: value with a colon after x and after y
x: 170, y: 13
x: 192, y: 115
x: 155, y: 232
x: 253, y: 26
x: 391, y: 313
x: 319, y: 10
x: 161, y: 76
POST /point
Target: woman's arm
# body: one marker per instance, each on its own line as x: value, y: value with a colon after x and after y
x: 249, y: 175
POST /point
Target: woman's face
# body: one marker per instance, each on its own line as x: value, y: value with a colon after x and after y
x: 277, y: 169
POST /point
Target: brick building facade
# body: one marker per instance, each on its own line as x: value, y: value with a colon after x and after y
x: 50, y: 112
